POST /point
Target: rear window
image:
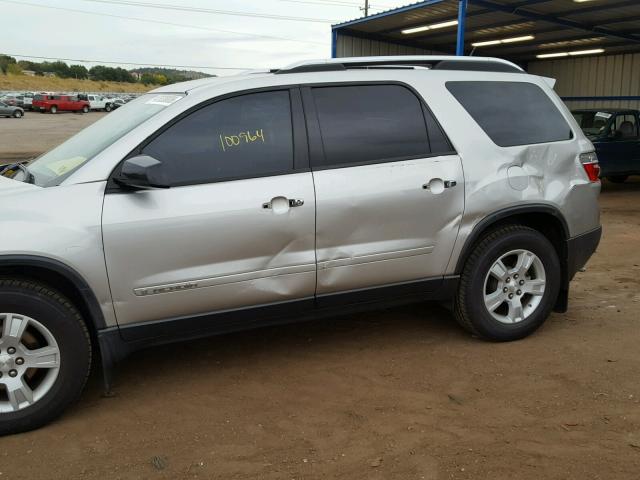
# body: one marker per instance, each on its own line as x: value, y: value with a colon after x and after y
x: 512, y: 113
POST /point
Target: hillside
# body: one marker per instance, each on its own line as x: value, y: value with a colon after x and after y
x: 54, y: 84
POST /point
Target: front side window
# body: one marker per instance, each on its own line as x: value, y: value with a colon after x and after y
x: 512, y: 113
x: 239, y: 137
x: 370, y: 123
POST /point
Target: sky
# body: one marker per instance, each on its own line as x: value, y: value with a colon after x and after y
x: 197, y: 34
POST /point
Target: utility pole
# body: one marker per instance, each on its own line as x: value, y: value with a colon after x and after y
x: 366, y: 8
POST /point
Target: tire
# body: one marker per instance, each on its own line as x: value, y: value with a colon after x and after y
x: 477, y: 283
x: 53, y: 109
x: 85, y: 109
x: 47, y: 311
x: 618, y: 178
x: 17, y: 114
x: 107, y: 107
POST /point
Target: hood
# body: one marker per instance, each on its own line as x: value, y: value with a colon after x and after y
x: 8, y: 186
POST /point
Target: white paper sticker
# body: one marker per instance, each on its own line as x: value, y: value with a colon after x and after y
x: 603, y: 114
x: 165, y: 100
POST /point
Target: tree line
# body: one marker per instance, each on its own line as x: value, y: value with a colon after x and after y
x: 147, y: 76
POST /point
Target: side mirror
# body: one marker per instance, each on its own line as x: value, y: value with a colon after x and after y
x: 142, y: 172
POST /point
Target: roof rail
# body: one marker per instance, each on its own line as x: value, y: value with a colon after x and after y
x: 476, y: 64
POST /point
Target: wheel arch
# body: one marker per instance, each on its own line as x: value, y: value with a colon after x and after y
x: 546, y: 219
x: 62, y: 278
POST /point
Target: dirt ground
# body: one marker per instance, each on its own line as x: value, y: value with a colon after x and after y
x: 29, y: 136
x: 395, y: 394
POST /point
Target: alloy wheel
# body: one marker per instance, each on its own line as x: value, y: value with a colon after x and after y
x: 29, y: 362
x: 514, y: 286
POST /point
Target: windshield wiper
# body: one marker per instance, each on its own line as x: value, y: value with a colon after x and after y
x: 28, y: 176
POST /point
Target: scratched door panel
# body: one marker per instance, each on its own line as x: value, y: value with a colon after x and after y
x: 202, y: 248
x: 236, y: 228
x: 377, y: 225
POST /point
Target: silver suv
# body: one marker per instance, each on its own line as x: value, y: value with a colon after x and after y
x: 232, y: 203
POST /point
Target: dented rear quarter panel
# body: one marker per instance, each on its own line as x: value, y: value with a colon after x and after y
x: 498, y: 178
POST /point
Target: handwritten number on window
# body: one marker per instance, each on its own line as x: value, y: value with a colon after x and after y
x: 242, y: 138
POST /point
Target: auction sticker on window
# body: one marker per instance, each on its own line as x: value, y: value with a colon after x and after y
x: 164, y: 100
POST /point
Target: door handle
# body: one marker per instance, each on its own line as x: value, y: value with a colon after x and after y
x: 280, y: 201
x: 437, y: 184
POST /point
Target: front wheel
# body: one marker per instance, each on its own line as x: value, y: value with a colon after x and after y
x: 45, y: 355
x: 53, y: 109
x: 509, y: 284
x: 85, y: 109
x: 17, y: 114
x: 107, y: 107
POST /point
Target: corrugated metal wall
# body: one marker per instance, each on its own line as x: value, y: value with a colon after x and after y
x: 348, y: 46
x: 600, y: 76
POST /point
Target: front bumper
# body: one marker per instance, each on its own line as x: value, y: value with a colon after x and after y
x: 580, y: 249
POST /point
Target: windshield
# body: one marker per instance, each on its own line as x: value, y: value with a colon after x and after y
x: 592, y: 122
x: 57, y: 164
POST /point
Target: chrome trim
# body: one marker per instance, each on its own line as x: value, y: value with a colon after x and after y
x: 221, y: 280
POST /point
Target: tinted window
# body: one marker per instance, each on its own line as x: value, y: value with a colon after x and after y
x: 438, y: 141
x: 244, y: 136
x: 370, y: 124
x: 512, y: 113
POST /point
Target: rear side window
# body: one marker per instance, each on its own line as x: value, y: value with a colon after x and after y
x: 512, y: 113
x: 240, y: 137
x: 369, y: 123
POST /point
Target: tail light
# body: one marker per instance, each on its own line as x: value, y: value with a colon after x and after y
x: 591, y: 166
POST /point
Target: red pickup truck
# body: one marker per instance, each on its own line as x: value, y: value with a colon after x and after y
x: 59, y: 103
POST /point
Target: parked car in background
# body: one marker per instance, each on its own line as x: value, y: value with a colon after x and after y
x: 10, y: 111
x: 27, y: 100
x: 13, y: 100
x: 97, y: 102
x: 616, y: 136
x: 60, y: 103
x: 118, y: 102
x: 268, y: 199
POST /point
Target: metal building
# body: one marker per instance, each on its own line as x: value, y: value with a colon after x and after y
x: 592, y: 47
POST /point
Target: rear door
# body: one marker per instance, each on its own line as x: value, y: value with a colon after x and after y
x: 389, y: 189
x: 237, y: 227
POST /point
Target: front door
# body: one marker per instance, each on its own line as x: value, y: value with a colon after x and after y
x: 235, y: 230
x: 389, y: 188
x: 621, y: 150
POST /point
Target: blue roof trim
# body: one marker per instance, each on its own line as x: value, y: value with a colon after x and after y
x: 554, y: 19
x: 406, y: 8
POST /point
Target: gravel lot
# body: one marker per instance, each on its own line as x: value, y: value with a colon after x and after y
x: 29, y: 136
x: 395, y: 394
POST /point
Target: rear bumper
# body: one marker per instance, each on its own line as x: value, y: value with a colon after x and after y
x: 580, y: 249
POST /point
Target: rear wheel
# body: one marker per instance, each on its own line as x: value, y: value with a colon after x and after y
x: 53, y: 109
x: 107, y: 107
x: 85, y: 109
x: 618, y: 178
x: 509, y: 284
x: 45, y: 355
